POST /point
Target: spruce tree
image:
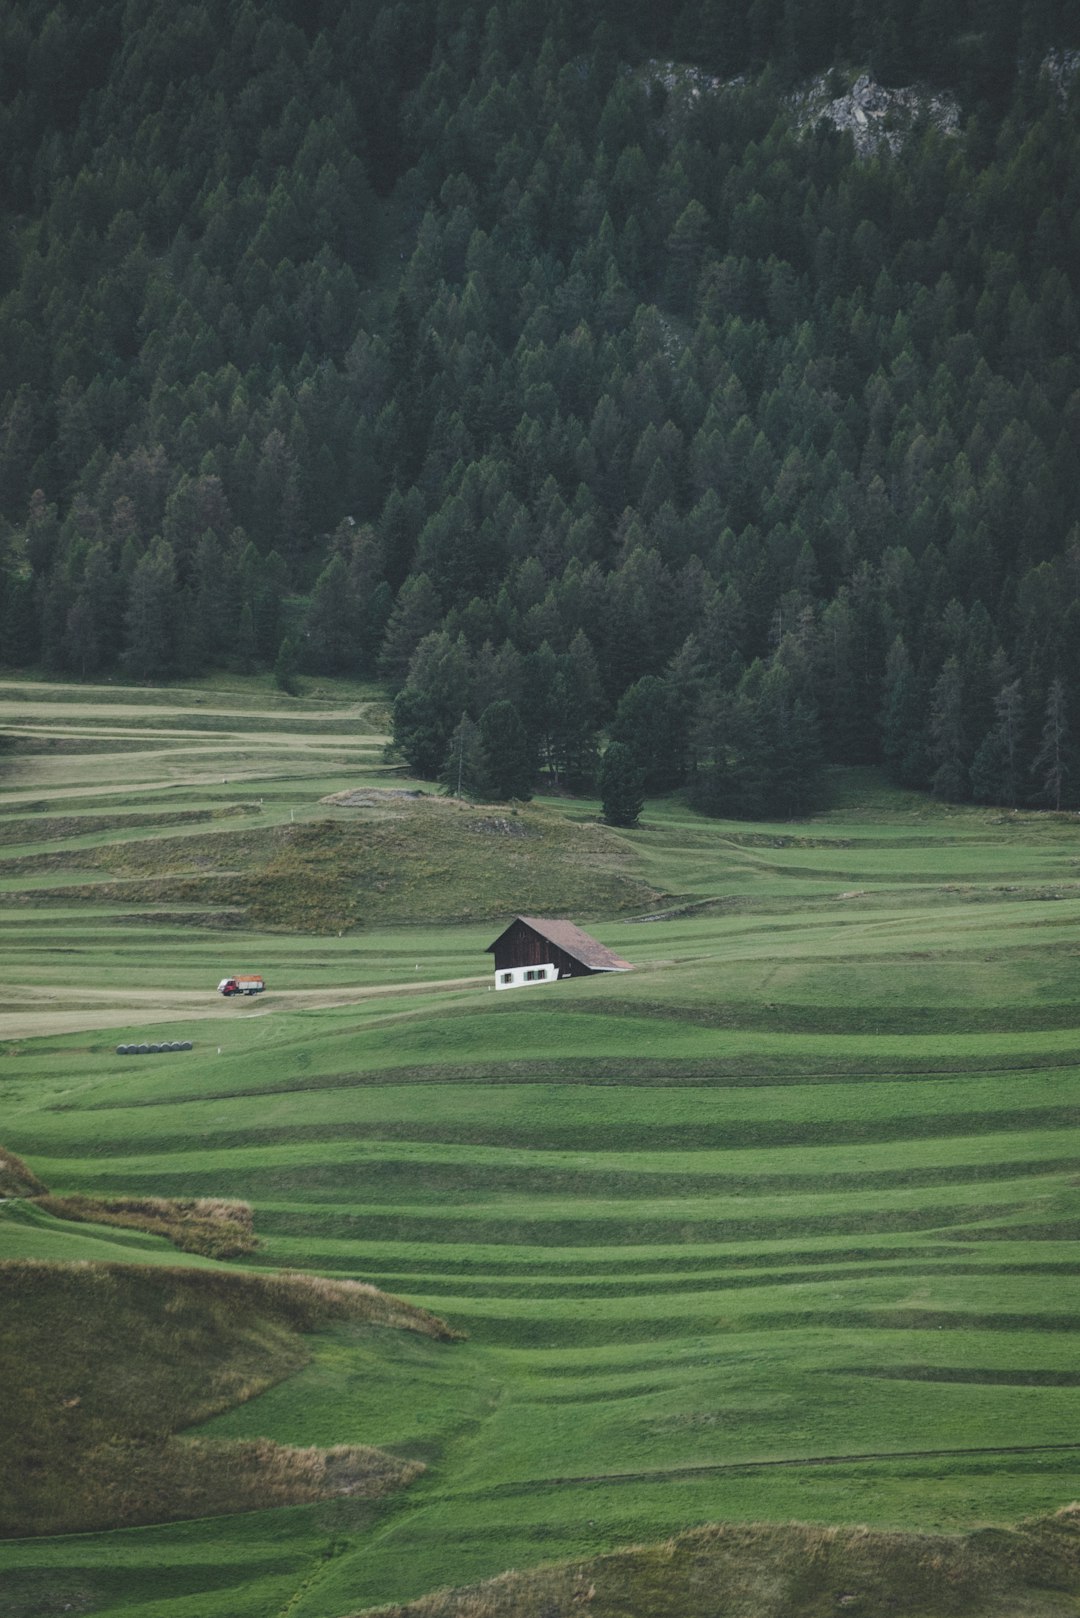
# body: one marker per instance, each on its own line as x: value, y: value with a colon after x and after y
x: 622, y: 785
x: 420, y: 733
x: 646, y: 722
x: 509, y: 759
x: 947, y: 740
x: 463, y: 774
x: 995, y: 769
x: 286, y: 667
x: 902, y: 717
x: 150, y: 620
x: 1052, y: 765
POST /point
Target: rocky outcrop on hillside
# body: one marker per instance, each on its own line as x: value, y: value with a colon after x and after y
x: 877, y: 118
x: 1061, y: 68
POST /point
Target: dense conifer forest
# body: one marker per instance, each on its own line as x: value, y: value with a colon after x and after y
x: 553, y: 365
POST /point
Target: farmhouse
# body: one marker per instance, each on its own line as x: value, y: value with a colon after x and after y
x: 535, y: 950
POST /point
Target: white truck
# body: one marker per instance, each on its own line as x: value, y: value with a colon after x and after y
x: 241, y: 984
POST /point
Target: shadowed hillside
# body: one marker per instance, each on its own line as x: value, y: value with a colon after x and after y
x: 105, y: 1364
x: 792, y: 1571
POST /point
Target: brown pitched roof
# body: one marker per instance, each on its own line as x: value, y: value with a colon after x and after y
x: 581, y: 945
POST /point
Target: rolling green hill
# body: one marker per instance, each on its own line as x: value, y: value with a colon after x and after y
x: 780, y: 1226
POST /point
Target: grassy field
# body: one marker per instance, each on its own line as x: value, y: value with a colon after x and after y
x: 782, y: 1226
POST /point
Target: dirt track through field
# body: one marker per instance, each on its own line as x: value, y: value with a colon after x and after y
x: 34, y: 1011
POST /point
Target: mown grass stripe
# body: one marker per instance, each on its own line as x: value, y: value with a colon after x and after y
x: 383, y: 1183
x: 731, y: 1133
x: 542, y: 1289
x: 499, y: 1228
x: 877, y: 1019
x: 1034, y: 1377
x: 932, y: 1257
x: 777, y: 1463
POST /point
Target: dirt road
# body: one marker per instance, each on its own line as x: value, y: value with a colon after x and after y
x: 34, y: 1011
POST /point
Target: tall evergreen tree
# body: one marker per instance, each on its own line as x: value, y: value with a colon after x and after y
x: 996, y: 767
x: 419, y: 730
x: 948, y: 742
x: 332, y: 625
x: 622, y: 785
x: 151, y: 619
x: 464, y: 774
x: 647, y: 723
x: 1053, y: 763
x: 415, y: 614
x: 509, y: 764
x: 287, y: 667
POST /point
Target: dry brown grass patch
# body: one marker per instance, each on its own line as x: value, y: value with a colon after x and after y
x: 211, y: 1226
x: 126, y: 1483
x: 792, y: 1571
x: 104, y: 1365
x: 16, y: 1180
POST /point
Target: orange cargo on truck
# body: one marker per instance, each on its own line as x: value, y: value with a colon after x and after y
x: 241, y: 985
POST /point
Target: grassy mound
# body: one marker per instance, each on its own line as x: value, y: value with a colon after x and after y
x: 93, y: 1430
x: 395, y: 859
x: 436, y: 860
x: 792, y: 1571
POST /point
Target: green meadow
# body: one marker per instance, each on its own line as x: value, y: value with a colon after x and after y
x: 780, y: 1226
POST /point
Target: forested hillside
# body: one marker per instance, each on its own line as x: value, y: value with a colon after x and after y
x: 551, y: 356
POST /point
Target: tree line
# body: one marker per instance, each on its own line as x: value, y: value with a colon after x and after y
x: 497, y: 356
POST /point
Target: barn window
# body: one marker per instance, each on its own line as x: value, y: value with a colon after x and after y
x: 507, y: 977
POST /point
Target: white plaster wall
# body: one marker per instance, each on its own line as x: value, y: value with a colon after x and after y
x: 525, y: 977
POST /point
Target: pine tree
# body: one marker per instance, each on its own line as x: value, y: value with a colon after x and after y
x: 948, y: 745
x: 646, y: 722
x: 995, y: 769
x: 1053, y: 761
x: 622, y: 785
x: 286, y: 667
x: 332, y: 624
x: 509, y: 760
x: 415, y: 614
x: 419, y: 732
x: 792, y: 756
x: 463, y: 774
x: 902, y: 720
x: 726, y: 748
x: 151, y: 618
x: 577, y: 710
x: 244, y: 648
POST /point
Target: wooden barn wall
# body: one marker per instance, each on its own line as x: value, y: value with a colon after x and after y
x: 521, y: 946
